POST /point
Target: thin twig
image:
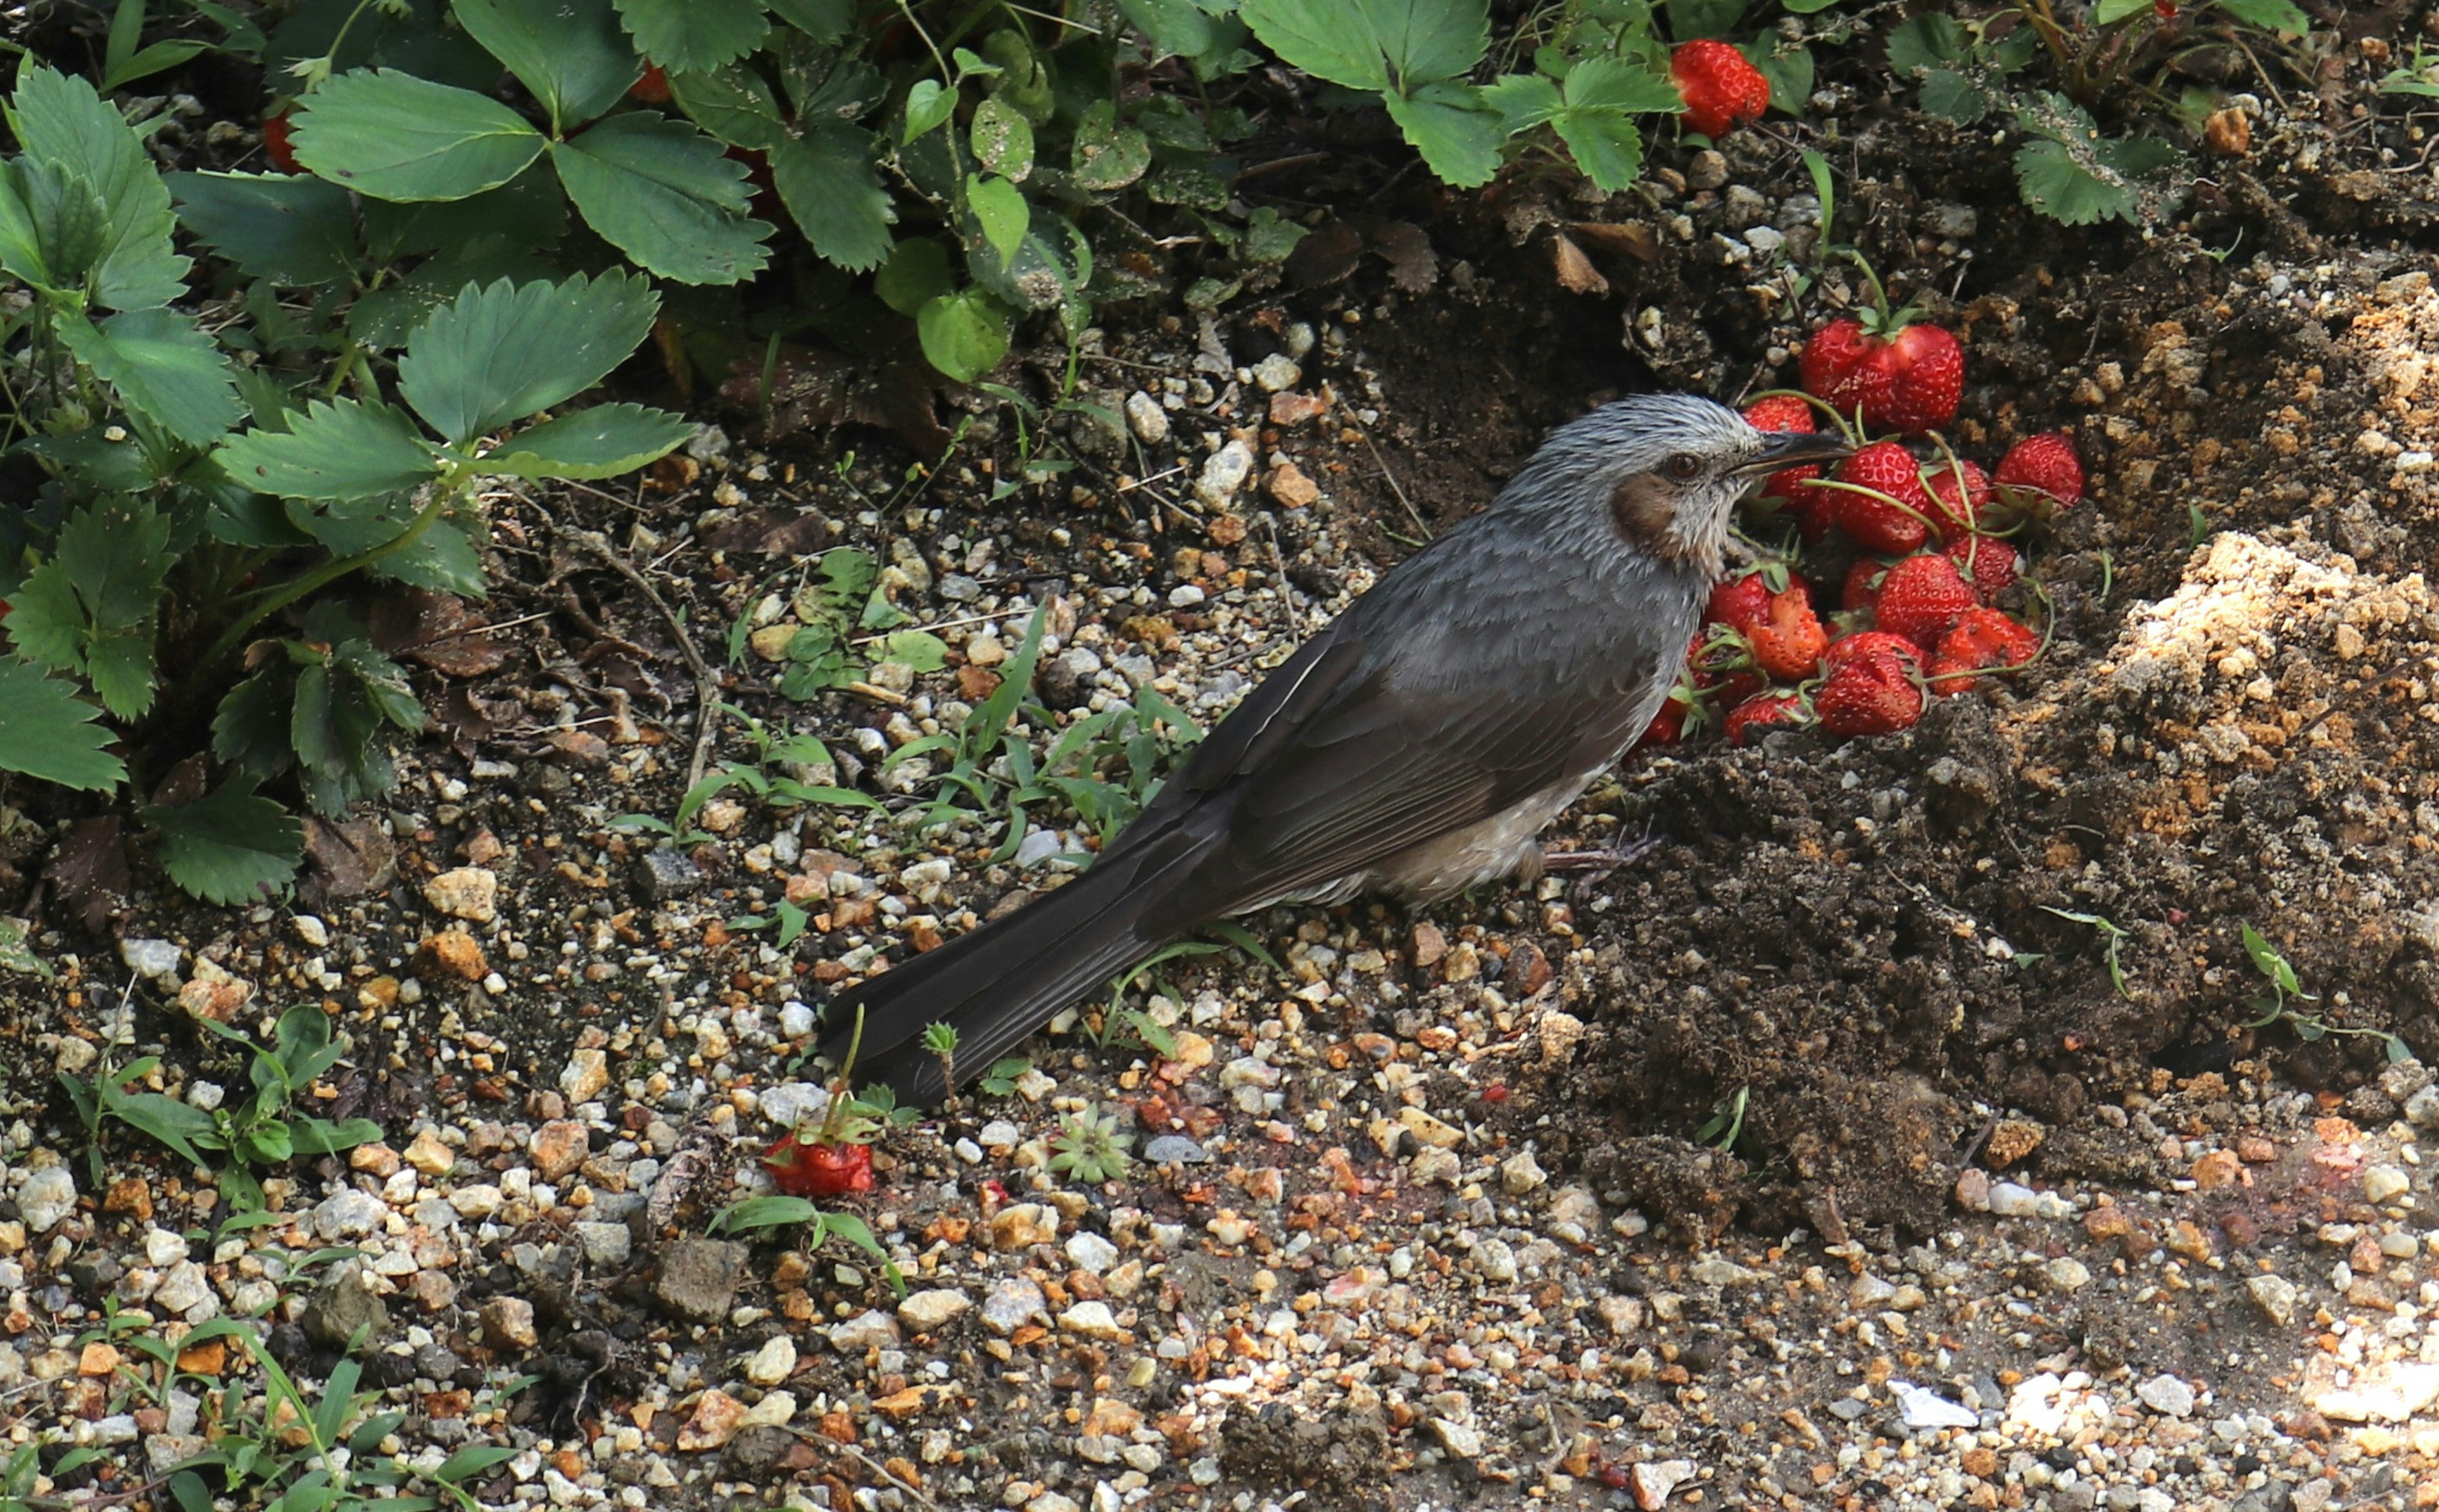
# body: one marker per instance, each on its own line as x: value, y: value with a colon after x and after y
x: 835, y: 1446
x: 706, y: 682
x: 1365, y: 432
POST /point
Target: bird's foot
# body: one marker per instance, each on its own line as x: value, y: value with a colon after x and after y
x: 1597, y: 865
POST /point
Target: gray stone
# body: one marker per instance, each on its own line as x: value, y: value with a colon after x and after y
x: 1146, y: 418
x: 2166, y: 1394
x: 187, y: 1291
x: 605, y: 1244
x: 1223, y: 473
x: 156, y: 959
x: 1014, y: 1303
x: 1165, y: 1149
x: 699, y: 1277
x: 869, y: 1330
x: 2275, y: 1295
x: 663, y: 874
x: 342, y: 1306
x: 927, y: 1311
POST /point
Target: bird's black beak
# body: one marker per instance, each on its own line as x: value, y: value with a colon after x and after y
x: 1787, y: 449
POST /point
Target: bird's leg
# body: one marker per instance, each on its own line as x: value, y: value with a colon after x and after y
x: 1597, y: 865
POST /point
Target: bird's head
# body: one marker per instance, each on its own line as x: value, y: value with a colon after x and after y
x: 1661, y: 472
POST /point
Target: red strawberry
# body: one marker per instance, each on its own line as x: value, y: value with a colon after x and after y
x: 1721, y: 87
x: 1684, y: 703
x: 1768, y: 711
x: 1785, y: 412
x: 1980, y: 641
x: 1881, y: 526
x: 1870, y: 694
x: 1902, y: 376
x: 1991, y: 565
x: 652, y: 89
x: 801, y: 1168
x: 1958, y: 495
x: 2046, y: 462
x: 277, y: 135
x: 1866, y: 644
x: 1863, y: 583
x: 1921, y: 596
x: 1837, y: 364
x: 1925, y: 377
x: 1739, y: 603
x: 1788, y: 644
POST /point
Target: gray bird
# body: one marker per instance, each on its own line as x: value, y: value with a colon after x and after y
x: 1416, y: 745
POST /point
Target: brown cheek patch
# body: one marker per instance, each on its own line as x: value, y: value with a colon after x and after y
x: 1644, y: 509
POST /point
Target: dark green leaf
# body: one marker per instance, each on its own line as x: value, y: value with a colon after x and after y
x: 1955, y: 97
x: 1003, y: 140
x: 1522, y: 100
x: 47, y: 732
x: 928, y: 104
x: 1449, y: 125
x: 734, y: 104
x: 498, y: 353
x: 1605, y: 144
x: 384, y: 318
x: 2270, y: 15
x: 569, y: 52
x: 158, y: 58
x: 54, y: 226
x: 289, y: 228
x: 1000, y: 210
x: 173, y: 1123
x: 600, y: 442
x: 162, y: 366
x: 660, y: 191
x: 916, y: 271
x: 683, y: 36
x: 825, y: 21
x: 1108, y: 156
x: 1934, y: 40
x: 827, y: 180
x: 1613, y: 83
x: 964, y: 334
x: 251, y: 728
x: 117, y: 552
x: 394, y: 136
x: 335, y: 450
x: 231, y: 846
x: 1689, y: 19
x: 60, y: 120
x: 1181, y: 28
x: 1787, y: 65
x: 1381, y: 45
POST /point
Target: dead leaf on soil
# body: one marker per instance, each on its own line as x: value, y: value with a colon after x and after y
x: 1327, y: 255
x: 348, y: 858
x: 1413, y: 265
x: 88, y: 872
x: 771, y: 531
x: 1576, y: 274
x: 438, y: 630
x: 1632, y: 238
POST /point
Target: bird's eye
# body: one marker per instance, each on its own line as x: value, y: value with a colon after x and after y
x: 1684, y: 465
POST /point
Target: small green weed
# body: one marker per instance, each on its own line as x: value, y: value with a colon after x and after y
x: 1089, y: 1148
x: 753, y: 1213
x: 265, y: 1129
x: 2111, y: 934
x: 1726, y: 1122
x: 2274, y: 1007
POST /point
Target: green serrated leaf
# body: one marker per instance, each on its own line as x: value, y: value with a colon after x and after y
x: 1457, y: 136
x: 685, y: 36
x: 825, y: 21
x: 964, y: 334
x: 232, y: 846
x: 660, y: 191
x: 1523, y: 100
x: 735, y: 104
x: 1614, y: 84
x: 54, y: 226
x: 162, y: 366
x: 60, y: 120
x: 394, y: 136
x: 2270, y: 15
x: 292, y: 229
x: 47, y: 732
x: 250, y: 729
x: 117, y: 552
x: 1605, y: 144
x: 600, y: 442
x: 1955, y: 97
x: 570, y: 53
x: 916, y: 271
x: 498, y: 353
x: 1787, y: 65
x: 1934, y: 40
x: 1391, y: 46
x: 827, y: 180
x: 336, y: 448
x: 1180, y: 29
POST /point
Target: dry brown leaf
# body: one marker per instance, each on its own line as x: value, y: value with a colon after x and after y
x: 1576, y: 274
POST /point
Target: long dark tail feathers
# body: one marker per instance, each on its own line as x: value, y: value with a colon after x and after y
x: 998, y: 983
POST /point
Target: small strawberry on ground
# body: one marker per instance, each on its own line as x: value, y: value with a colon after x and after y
x: 1739, y: 603
x: 1866, y: 644
x: 1921, y: 596
x: 1874, y: 693
x: 1721, y: 88
x: 832, y: 1158
x: 1748, y: 720
x: 1862, y: 589
x: 1882, y: 504
x: 1959, y: 492
x: 1982, y: 640
x: 1789, y: 643
x: 2045, y: 462
x: 1904, y: 375
x: 1991, y: 565
x: 1813, y: 508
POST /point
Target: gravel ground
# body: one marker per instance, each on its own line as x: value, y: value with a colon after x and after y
x: 1416, y: 1219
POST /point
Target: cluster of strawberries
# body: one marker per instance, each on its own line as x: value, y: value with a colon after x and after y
x: 1917, y: 611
